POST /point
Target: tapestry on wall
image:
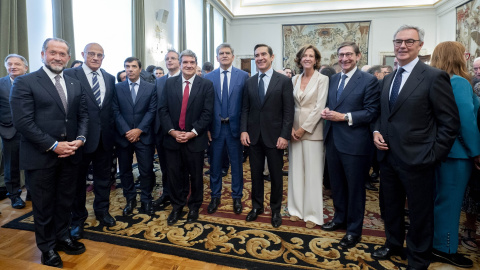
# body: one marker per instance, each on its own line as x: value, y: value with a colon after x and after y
x: 326, y: 37
x: 468, y: 29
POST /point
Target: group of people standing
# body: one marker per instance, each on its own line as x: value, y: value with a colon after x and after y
x: 70, y: 118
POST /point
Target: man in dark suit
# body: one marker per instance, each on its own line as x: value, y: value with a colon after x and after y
x: 50, y: 112
x: 417, y: 126
x: 266, y: 125
x: 186, y: 113
x: 353, y: 103
x: 100, y: 89
x: 16, y: 65
x: 173, y: 66
x: 134, y: 107
x: 228, y: 83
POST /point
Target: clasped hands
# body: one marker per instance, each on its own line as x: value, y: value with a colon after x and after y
x: 133, y: 135
x: 297, y: 134
x: 182, y: 136
x: 65, y: 149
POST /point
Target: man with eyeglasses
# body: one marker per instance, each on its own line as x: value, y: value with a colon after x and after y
x: 352, y: 104
x: 99, y: 89
x: 417, y: 126
x: 476, y: 68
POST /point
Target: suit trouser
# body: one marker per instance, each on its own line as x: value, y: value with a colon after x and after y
x: 234, y: 149
x: 417, y: 186
x: 144, y: 155
x: 101, y: 160
x: 185, y: 173
x: 162, y: 159
x: 274, y: 156
x: 11, y: 159
x: 451, y: 181
x: 53, y: 191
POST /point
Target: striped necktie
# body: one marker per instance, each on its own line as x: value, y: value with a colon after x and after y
x: 96, y: 88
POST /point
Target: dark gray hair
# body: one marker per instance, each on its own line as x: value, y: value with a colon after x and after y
x: 45, y: 44
x: 375, y: 69
x: 224, y: 45
x: 17, y: 56
x: 188, y: 53
x: 420, y: 31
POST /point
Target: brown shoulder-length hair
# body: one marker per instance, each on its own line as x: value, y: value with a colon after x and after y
x: 450, y: 57
x: 301, y: 52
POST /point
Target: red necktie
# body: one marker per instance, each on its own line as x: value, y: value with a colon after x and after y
x: 183, y: 112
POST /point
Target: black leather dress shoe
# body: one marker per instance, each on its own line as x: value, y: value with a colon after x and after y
x: 17, y: 202
x: 384, y: 253
x: 147, y: 208
x: 370, y: 186
x: 224, y: 172
x: 237, y: 206
x: 267, y: 177
x: 164, y: 201
x: 76, y: 232
x: 128, y: 210
x: 332, y: 226
x: 51, y: 258
x: 105, y: 219
x: 174, y: 217
x: 349, y: 241
x: 207, y: 172
x: 254, y: 214
x: 212, y: 207
x: 192, y: 215
x: 69, y: 246
x: 276, y: 220
x: 374, y: 177
x: 454, y: 259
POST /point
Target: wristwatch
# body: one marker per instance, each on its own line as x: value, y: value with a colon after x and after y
x: 346, y: 117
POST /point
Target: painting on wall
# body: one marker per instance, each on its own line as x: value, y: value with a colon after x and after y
x: 326, y: 37
x: 468, y: 29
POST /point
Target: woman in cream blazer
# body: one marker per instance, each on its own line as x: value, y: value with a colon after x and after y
x: 306, y: 153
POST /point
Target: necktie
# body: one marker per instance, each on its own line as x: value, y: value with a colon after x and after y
x: 132, y: 90
x: 96, y: 88
x: 183, y: 112
x: 396, y: 87
x: 224, y: 113
x: 60, y: 91
x: 342, y: 86
x: 261, y: 88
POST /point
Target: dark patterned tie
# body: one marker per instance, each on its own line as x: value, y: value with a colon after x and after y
x: 96, y: 88
x: 60, y: 91
x: 396, y: 87
x: 132, y: 90
x: 224, y: 112
x: 342, y: 86
x: 261, y: 88
x: 183, y: 112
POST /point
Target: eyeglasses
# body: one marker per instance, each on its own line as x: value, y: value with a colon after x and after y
x: 408, y: 42
x: 467, y: 56
x: 347, y: 55
x: 92, y: 54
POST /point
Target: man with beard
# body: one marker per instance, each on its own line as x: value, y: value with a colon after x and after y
x: 50, y: 112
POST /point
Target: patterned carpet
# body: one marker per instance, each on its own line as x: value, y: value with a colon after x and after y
x: 226, y: 238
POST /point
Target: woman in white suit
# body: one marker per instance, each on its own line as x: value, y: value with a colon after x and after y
x: 306, y: 153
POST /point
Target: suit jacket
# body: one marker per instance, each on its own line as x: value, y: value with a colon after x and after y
x: 7, y: 130
x: 235, y: 95
x: 309, y: 104
x: 38, y: 115
x: 160, y: 84
x: 139, y: 115
x: 199, y: 111
x: 422, y: 125
x: 360, y: 97
x: 274, y: 117
x: 101, y: 120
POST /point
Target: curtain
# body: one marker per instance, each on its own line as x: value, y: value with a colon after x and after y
x: 182, y: 27
x: 212, y: 35
x: 205, y: 30
x: 13, y: 30
x: 224, y: 30
x: 63, y: 23
x: 138, y: 30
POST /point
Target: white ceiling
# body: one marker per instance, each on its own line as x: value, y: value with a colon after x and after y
x: 241, y: 8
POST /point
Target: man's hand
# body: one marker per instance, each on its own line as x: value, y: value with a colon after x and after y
x: 334, y: 116
x: 379, y: 141
x: 209, y: 137
x: 282, y: 143
x: 245, y: 139
x: 133, y: 135
x: 78, y: 143
x: 65, y: 149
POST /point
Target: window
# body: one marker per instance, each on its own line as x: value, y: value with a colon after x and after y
x: 193, y: 18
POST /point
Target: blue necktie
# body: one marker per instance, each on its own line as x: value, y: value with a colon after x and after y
x: 396, y: 87
x: 224, y: 113
x: 342, y: 86
x: 96, y: 88
x: 261, y: 88
x: 132, y: 90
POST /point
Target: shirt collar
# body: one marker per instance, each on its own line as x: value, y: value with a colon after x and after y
x: 176, y: 74
x: 269, y: 72
x: 137, y: 82
x: 351, y: 72
x: 190, y: 80
x: 52, y: 75
x: 89, y: 70
x: 409, y: 67
x: 228, y: 69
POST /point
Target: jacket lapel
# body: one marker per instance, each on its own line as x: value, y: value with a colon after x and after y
x: 179, y: 88
x: 217, y: 82
x: 108, y: 90
x: 193, y: 90
x: 49, y: 87
x: 141, y: 91
x: 233, y: 80
x: 332, y: 91
x: 84, y: 81
x: 70, y: 90
x: 410, y: 85
x: 271, y: 86
x: 352, y: 83
x: 255, y: 89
